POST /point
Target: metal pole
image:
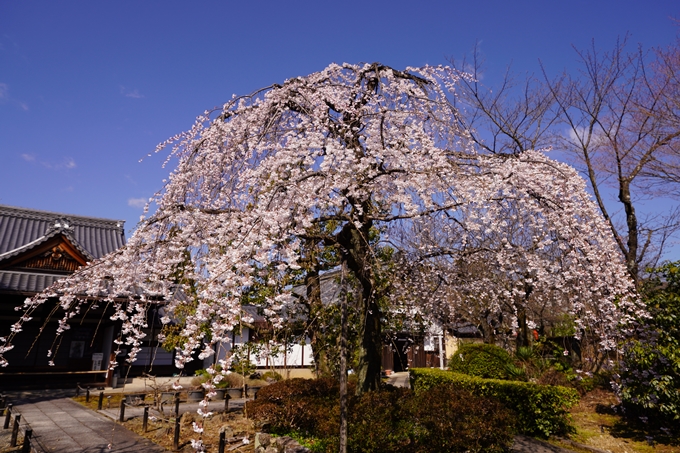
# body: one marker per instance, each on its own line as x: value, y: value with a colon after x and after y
x: 177, y: 405
x: 26, y: 446
x: 101, y: 401
x: 15, y: 431
x: 145, y: 420
x: 77, y: 388
x: 87, y: 395
x: 8, y: 414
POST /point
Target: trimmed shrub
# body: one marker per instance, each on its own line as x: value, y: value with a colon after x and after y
x: 309, y: 407
x: 379, y: 422
x: 482, y: 360
x: 447, y: 418
x: 542, y: 410
x: 392, y: 419
x: 271, y: 376
x: 231, y: 380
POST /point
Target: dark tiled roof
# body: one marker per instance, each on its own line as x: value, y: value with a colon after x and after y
x: 20, y: 227
x: 26, y: 282
x: 23, y: 229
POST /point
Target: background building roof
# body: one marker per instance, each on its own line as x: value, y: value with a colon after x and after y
x: 20, y: 227
x: 23, y: 229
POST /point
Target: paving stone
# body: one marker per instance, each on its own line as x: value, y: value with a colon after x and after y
x: 62, y: 425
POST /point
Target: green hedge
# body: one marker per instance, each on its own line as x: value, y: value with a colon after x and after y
x: 441, y: 419
x: 542, y: 410
x: 482, y: 360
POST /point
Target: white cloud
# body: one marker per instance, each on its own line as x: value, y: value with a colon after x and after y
x: 5, y: 97
x: 137, y: 202
x: 134, y: 94
x: 597, y: 137
x: 67, y: 163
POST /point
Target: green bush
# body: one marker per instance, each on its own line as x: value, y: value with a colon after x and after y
x: 448, y: 418
x: 650, y: 371
x: 378, y: 422
x: 542, y: 410
x: 271, y: 376
x: 308, y: 407
x: 392, y: 419
x: 481, y: 360
x: 230, y: 380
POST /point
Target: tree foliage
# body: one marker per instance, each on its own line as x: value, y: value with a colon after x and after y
x: 650, y: 375
x: 483, y: 360
x: 351, y: 160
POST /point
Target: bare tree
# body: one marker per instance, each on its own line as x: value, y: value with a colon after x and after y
x: 616, y: 120
x: 623, y: 132
x: 511, y: 118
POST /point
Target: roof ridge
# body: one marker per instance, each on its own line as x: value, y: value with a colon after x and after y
x: 52, y: 232
x: 37, y: 214
x: 29, y: 272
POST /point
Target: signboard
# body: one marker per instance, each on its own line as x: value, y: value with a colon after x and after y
x: 97, y: 358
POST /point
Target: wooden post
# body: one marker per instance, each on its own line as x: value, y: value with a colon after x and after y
x: 8, y: 414
x: 101, y: 401
x: 122, y: 408
x: 87, y: 395
x: 177, y: 405
x: 175, y: 440
x: 145, y: 420
x: 222, y: 444
x: 26, y: 446
x: 77, y: 388
x: 15, y: 431
x: 227, y: 397
x: 109, y: 372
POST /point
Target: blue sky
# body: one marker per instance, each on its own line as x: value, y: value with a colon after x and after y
x: 88, y: 88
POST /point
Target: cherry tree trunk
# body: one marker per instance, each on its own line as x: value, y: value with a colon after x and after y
x: 358, y: 256
x: 319, y: 348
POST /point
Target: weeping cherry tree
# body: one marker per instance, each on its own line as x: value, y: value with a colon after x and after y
x: 357, y: 158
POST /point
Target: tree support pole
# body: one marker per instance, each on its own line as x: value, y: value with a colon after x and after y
x: 343, y: 369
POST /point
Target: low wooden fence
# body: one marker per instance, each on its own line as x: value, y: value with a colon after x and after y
x: 6, y: 410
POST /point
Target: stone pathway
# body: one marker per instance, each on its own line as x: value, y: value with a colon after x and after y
x: 62, y: 425
x: 524, y: 444
x: 400, y: 379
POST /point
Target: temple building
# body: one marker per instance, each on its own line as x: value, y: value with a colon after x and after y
x: 36, y: 249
